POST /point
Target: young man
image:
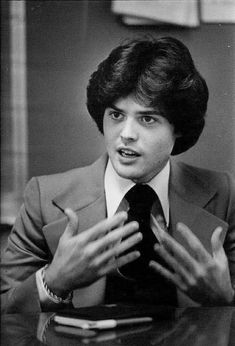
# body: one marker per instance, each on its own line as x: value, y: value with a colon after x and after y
x: 138, y: 227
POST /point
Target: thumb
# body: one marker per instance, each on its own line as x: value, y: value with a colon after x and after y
x: 72, y: 225
x: 216, y: 242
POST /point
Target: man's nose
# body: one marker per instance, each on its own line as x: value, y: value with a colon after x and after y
x: 128, y: 132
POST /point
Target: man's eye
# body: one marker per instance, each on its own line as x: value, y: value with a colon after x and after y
x: 147, y: 119
x: 116, y: 115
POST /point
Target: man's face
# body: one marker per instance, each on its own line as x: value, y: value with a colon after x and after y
x: 139, y: 140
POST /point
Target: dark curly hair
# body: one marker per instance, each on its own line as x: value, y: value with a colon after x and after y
x: 160, y: 73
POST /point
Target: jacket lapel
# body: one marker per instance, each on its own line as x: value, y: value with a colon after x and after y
x: 86, y: 198
x: 201, y: 222
x: 189, y: 197
x: 87, y: 217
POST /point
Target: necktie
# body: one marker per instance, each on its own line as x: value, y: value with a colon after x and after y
x: 138, y: 283
x: 141, y: 199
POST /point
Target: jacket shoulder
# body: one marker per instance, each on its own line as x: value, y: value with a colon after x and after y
x: 58, y: 182
x: 74, y: 179
x: 205, y: 175
x: 221, y: 181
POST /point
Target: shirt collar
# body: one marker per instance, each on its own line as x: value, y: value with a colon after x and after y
x: 116, y: 187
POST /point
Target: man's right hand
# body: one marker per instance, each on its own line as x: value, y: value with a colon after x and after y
x: 81, y: 259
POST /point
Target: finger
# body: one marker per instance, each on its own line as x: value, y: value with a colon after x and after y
x: 113, y: 237
x: 160, y: 230
x: 128, y: 244
x: 175, y: 279
x: 198, y: 250
x: 173, y: 263
x: 179, y: 252
x: 119, y: 262
x: 119, y: 248
x: 216, y: 243
x: 72, y: 225
x: 104, y: 227
x: 128, y: 258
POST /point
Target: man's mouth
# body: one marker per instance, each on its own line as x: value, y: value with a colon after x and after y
x: 128, y: 153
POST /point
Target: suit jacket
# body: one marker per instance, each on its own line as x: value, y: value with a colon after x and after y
x: 202, y: 199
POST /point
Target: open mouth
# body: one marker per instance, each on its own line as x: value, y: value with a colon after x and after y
x: 128, y: 153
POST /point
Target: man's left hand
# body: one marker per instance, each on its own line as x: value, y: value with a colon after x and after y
x: 203, y: 277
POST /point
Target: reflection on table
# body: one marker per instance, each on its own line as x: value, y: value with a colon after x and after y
x: 191, y: 327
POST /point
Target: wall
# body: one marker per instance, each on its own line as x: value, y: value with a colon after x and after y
x: 66, y: 41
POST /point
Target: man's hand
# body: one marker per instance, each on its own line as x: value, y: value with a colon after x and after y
x: 81, y: 259
x: 203, y: 277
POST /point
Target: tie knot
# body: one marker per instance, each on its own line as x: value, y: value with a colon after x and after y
x: 141, y: 197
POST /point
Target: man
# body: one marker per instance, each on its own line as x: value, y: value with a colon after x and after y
x: 113, y: 244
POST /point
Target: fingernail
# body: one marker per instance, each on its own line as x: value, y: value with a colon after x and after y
x: 123, y: 214
x: 139, y: 235
x: 157, y: 247
x: 67, y: 212
x: 134, y: 223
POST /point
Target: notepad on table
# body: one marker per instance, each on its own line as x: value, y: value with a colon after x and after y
x: 110, y: 316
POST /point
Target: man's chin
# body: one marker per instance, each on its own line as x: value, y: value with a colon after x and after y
x: 128, y: 174
x: 128, y: 171
x: 134, y: 175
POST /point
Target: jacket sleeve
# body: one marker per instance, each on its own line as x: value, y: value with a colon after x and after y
x: 26, y: 252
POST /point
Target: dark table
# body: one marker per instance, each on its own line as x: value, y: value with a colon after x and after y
x: 186, y: 327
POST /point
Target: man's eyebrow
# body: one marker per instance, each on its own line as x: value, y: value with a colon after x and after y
x: 144, y: 112
x: 150, y: 112
x: 116, y: 108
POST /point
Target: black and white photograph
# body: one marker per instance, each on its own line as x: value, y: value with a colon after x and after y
x: 117, y: 172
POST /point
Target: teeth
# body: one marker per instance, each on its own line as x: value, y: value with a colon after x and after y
x: 127, y: 152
